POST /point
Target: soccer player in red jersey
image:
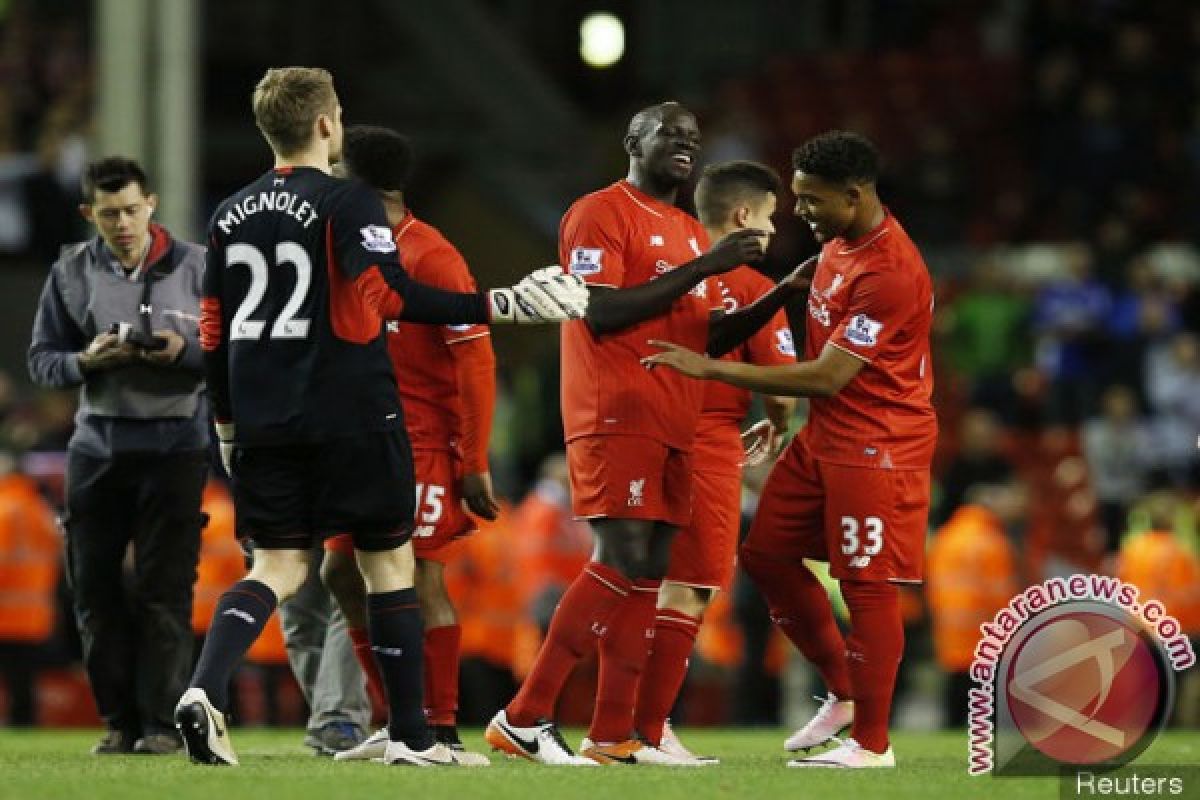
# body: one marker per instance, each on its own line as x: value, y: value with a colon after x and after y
x: 629, y: 431
x: 729, y: 197
x: 853, y: 487
x: 447, y: 381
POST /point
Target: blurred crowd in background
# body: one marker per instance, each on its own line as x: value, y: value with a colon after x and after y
x: 1044, y: 155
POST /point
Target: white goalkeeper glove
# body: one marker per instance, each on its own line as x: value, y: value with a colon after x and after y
x: 225, y: 434
x: 544, y: 295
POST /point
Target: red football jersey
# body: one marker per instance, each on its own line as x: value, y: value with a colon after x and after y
x: 421, y: 359
x: 873, y: 298
x: 770, y: 346
x: 718, y: 436
x: 621, y: 237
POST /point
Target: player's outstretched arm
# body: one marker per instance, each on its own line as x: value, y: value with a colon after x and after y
x: 824, y: 376
x: 727, y: 331
x: 545, y: 295
x: 369, y: 258
x: 612, y: 310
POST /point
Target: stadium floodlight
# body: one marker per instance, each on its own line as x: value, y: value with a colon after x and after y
x: 601, y: 39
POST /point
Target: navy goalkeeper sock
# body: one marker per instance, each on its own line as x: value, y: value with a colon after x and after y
x: 397, y: 639
x: 241, y: 614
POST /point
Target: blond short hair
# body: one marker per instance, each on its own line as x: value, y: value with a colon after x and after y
x: 287, y: 101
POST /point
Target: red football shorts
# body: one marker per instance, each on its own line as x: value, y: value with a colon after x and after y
x: 440, y: 518
x: 629, y: 477
x: 704, y: 552
x: 868, y: 523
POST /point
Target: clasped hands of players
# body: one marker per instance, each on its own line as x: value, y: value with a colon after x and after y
x: 107, y: 351
x: 695, y: 364
x: 544, y: 295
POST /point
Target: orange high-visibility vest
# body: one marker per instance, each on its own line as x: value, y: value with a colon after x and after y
x: 1163, y: 570
x: 30, y: 551
x: 970, y: 575
x: 554, y: 545
x: 483, y: 579
x: 222, y: 562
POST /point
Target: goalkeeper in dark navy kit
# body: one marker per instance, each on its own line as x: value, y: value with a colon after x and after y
x: 302, y: 272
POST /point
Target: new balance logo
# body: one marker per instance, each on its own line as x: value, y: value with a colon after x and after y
x: 242, y: 615
x: 656, y: 241
x: 859, y: 562
x: 636, y: 487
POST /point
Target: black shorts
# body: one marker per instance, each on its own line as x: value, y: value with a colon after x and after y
x: 292, y: 496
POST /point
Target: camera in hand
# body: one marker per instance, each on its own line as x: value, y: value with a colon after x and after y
x: 128, y: 334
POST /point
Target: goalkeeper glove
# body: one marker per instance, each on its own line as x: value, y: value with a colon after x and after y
x: 544, y: 295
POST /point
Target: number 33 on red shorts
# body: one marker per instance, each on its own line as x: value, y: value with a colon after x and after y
x: 868, y: 523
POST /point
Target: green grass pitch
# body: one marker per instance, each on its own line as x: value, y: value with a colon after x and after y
x: 41, y: 764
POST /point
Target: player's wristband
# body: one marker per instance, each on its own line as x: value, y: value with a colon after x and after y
x: 502, y: 306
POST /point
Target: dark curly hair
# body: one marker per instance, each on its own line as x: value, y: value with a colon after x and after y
x: 838, y: 156
x: 724, y: 186
x: 379, y: 157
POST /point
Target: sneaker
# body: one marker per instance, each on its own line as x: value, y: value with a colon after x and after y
x: 633, y: 751
x: 448, y: 735
x: 373, y: 748
x: 158, y: 744
x: 541, y: 742
x: 333, y: 737
x: 436, y: 755
x: 204, y: 729
x: 833, y: 717
x: 849, y: 754
x: 671, y: 745
x: 114, y: 743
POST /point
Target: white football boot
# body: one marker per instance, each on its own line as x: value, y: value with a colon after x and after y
x: 541, y: 742
x: 373, y: 748
x: 633, y: 752
x: 831, y: 718
x: 436, y: 755
x: 671, y: 745
x: 204, y: 730
x: 849, y: 754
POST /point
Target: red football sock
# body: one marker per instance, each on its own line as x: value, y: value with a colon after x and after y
x: 801, y: 609
x: 674, y: 636
x: 441, y: 674
x: 623, y: 653
x: 874, y: 649
x: 370, y: 668
x: 582, y: 615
